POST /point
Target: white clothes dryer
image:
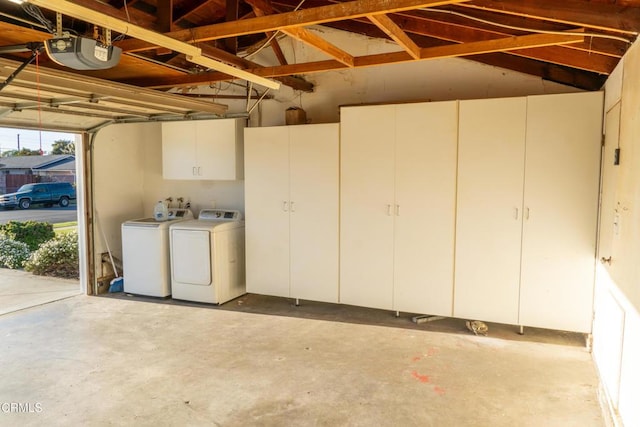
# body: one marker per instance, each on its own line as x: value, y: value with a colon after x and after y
x: 207, y: 257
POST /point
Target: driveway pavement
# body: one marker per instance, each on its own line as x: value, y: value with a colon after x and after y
x: 20, y: 290
x: 52, y: 215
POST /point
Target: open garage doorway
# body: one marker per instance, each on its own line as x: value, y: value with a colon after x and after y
x: 39, y: 199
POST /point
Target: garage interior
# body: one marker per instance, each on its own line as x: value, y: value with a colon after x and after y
x: 359, y: 69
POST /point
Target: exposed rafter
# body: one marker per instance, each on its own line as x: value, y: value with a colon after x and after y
x: 230, y: 32
x: 302, y: 18
x: 385, y: 23
x: 600, y: 16
x: 477, y: 48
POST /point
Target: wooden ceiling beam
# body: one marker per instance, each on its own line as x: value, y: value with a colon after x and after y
x: 605, y: 46
x: 296, y: 83
x: 275, y: 46
x: 601, y: 64
x: 396, y: 33
x: 563, y: 55
x: 307, y: 37
x: 262, y: 8
x: 556, y: 73
x: 165, y: 16
x: 232, y: 13
x: 579, y: 13
x: 500, y: 45
x: 135, y: 15
x: 188, y: 8
x: 301, y: 18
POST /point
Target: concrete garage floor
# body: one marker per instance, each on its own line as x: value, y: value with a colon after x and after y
x: 129, y: 361
x: 19, y: 289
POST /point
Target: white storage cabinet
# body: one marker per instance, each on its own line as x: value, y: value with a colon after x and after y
x: 203, y: 149
x: 291, y: 211
x: 398, y: 174
x: 528, y: 178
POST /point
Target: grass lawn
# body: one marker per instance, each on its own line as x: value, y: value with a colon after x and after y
x: 65, y: 227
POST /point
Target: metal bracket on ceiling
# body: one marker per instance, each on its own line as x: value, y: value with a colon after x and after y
x: 35, y: 48
x: 59, y: 24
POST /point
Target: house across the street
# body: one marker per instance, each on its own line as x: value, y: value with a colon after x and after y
x: 16, y: 171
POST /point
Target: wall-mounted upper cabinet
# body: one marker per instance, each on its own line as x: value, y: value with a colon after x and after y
x: 203, y: 149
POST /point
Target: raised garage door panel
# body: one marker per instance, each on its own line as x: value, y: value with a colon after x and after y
x: 426, y: 154
x: 366, y: 209
x: 561, y: 196
x: 489, y: 212
x: 314, y: 211
x: 266, y: 210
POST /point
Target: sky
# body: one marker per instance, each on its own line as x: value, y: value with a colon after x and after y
x: 30, y: 139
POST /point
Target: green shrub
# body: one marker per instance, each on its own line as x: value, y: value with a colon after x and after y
x: 13, y: 254
x: 32, y: 233
x: 57, y: 257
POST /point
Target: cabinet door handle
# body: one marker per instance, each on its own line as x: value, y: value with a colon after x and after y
x: 389, y: 210
x: 199, y: 171
x: 193, y: 171
x: 526, y: 213
x: 517, y: 213
x: 285, y: 206
x: 293, y: 206
x: 397, y: 210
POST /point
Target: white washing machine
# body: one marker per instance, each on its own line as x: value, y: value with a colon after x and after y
x: 207, y: 257
x: 145, y: 254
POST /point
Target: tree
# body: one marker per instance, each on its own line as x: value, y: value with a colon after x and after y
x: 63, y: 146
x: 23, y: 152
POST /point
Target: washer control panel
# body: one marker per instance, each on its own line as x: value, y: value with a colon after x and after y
x: 220, y: 215
x: 180, y: 213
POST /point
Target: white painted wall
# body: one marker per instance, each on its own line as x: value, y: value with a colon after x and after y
x: 616, y: 331
x: 128, y: 182
x: 117, y: 184
x: 201, y: 194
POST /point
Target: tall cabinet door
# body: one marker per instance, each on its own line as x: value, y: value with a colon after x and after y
x: 561, y: 205
x: 489, y: 213
x: 267, y: 210
x: 314, y: 211
x: 425, y: 199
x: 366, y: 207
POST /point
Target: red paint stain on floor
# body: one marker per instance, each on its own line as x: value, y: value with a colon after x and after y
x: 432, y: 352
x: 439, y: 390
x: 416, y: 358
x: 421, y: 378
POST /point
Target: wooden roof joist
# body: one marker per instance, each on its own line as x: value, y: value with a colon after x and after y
x: 448, y: 51
x: 599, y: 16
x: 282, y: 21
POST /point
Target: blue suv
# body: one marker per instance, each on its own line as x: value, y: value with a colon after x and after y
x: 48, y: 194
